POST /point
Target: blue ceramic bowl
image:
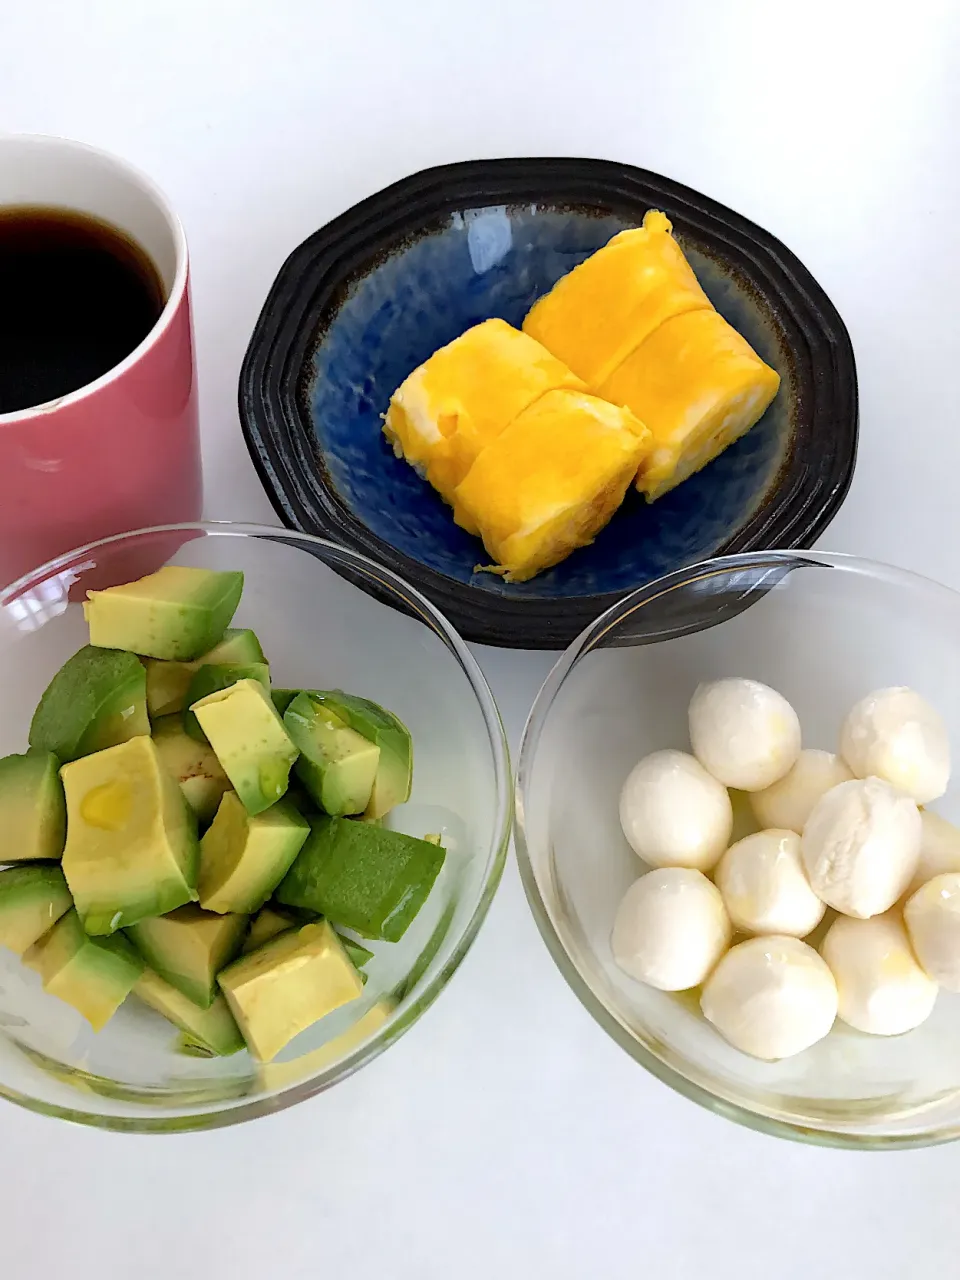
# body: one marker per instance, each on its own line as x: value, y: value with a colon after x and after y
x: 371, y: 296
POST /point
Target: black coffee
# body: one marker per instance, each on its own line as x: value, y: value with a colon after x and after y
x: 76, y: 297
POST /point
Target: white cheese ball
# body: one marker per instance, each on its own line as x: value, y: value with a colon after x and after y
x: 771, y: 997
x: 939, y: 849
x: 765, y: 888
x: 861, y: 845
x: 743, y: 733
x: 788, y: 803
x: 671, y: 929
x: 882, y: 989
x: 673, y: 813
x: 932, y: 917
x: 896, y: 735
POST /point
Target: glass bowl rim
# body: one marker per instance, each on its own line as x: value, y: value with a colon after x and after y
x: 495, y: 853
x: 594, y: 1005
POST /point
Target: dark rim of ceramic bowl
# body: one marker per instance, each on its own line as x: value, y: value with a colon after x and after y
x: 806, y: 495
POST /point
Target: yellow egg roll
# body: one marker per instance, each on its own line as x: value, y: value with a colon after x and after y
x: 699, y: 386
x: 597, y: 314
x: 551, y: 481
x: 455, y: 403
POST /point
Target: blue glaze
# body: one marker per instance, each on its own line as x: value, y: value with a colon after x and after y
x: 497, y: 262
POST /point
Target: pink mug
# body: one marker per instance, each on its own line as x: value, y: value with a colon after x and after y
x: 122, y: 452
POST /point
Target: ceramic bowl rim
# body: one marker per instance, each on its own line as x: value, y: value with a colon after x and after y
x: 801, y: 503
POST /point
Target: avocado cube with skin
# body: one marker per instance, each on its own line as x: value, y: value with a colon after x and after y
x: 243, y: 856
x: 32, y: 900
x: 188, y: 948
x: 337, y: 765
x: 208, y: 679
x: 283, y: 697
x: 193, y: 765
x: 33, y: 814
x: 168, y: 682
x: 176, y: 613
x: 287, y: 985
x: 267, y: 924
x: 97, y: 699
x: 167, y: 685
x: 364, y: 877
x: 394, y: 778
x: 213, y: 1027
x: 95, y: 975
x: 131, y: 848
x: 359, y: 955
x: 250, y: 741
x: 271, y: 921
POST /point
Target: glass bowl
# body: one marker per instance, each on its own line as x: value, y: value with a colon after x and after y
x: 317, y: 629
x: 823, y: 630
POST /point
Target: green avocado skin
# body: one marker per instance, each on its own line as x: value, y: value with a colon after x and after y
x: 364, y: 877
x: 33, y: 812
x: 96, y: 700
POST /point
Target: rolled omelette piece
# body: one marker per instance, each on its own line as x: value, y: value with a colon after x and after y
x: 455, y: 403
x: 551, y: 481
x: 698, y: 386
x: 596, y: 315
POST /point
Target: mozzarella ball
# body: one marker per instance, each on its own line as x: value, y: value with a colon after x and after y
x: 788, y: 803
x: 771, y: 997
x: 765, y: 888
x: 860, y: 846
x: 932, y: 917
x: 671, y: 929
x: 939, y: 849
x: 896, y: 735
x: 743, y: 732
x: 881, y: 988
x: 673, y: 813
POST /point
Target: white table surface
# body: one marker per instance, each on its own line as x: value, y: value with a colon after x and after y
x: 506, y: 1135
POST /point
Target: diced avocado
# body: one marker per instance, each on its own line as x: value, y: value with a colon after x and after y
x: 32, y: 900
x: 167, y: 685
x: 213, y: 1027
x: 277, y: 1075
x: 359, y: 955
x: 337, y: 765
x: 252, y: 745
x: 31, y: 957
x: 395, y: 773
x: 244, y: 857
x: 193, y: 764
x: 176, y: 613
x: 208, y: 679
x: 189, y: 947
x: 95, y: 975
x: 96, y: 700
x: 168, y: 682
x: 33, y: 815
x: 287, y: 985
x: 270, y: 921
x: 266, y: 924
x: 363, y: 877
x: 131, y: 848
x: 283, y: 697
x: 239, y: 644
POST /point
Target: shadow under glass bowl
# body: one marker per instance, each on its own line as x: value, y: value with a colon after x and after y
x: 373, y: 294
x: 316, y: 630
x: 824, y: 630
